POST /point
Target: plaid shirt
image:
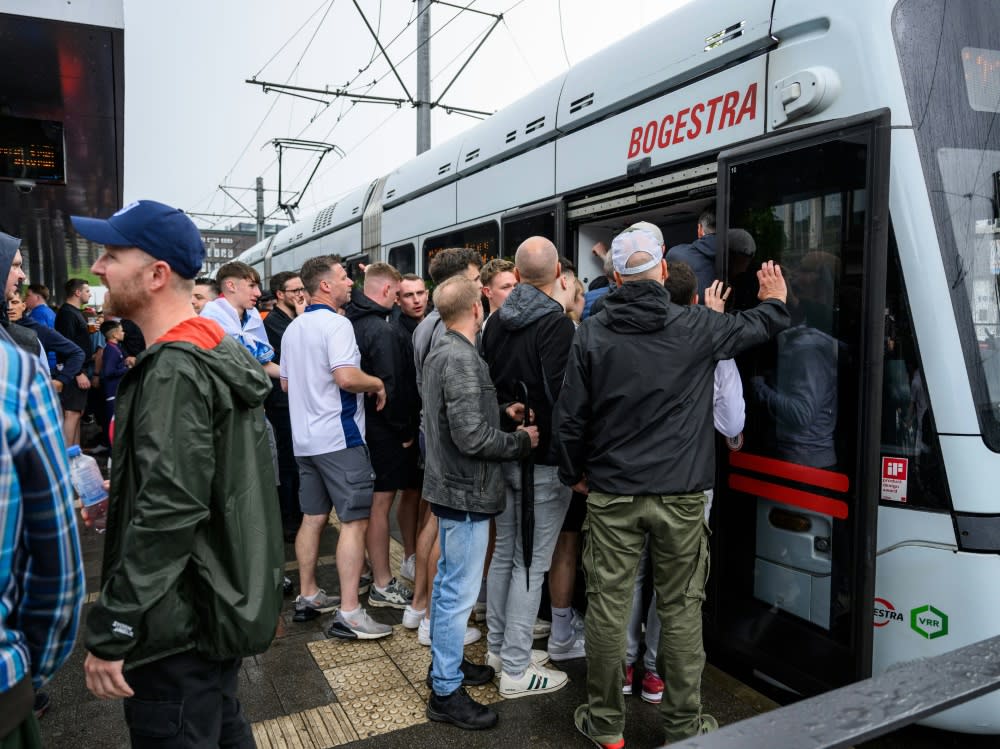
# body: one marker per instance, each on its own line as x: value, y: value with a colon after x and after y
x: 41, y: 571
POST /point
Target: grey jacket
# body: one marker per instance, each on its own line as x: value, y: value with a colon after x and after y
x: 462, y: 427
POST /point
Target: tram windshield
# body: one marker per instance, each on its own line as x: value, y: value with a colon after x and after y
x: 954, y: 101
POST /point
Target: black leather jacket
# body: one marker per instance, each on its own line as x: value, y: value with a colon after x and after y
x: 462, y: 426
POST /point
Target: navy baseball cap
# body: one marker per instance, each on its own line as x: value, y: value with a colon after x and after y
x: 165, y: 233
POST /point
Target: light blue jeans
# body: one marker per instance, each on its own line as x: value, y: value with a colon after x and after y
x: 513, y: 593
x: 456, y: 587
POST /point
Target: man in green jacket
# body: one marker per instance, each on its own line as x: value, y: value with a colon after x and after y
x: 191, y: 581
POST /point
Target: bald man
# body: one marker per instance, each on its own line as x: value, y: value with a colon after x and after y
x: 528, y: 342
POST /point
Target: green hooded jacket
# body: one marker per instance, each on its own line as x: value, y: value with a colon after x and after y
x: 193, y: 557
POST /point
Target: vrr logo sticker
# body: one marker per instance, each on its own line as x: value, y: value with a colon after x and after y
x: 885, y: 612
x: 928, y: 621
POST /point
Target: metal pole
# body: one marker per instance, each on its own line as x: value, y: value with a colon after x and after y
x: 260, y: 209
x: 423, y: 75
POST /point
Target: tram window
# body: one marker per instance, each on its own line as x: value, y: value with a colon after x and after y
x: 908, y: 430
x: 403, y: 258
x: 517, y: 230
x: 483, y: 237
x: 351, y: 265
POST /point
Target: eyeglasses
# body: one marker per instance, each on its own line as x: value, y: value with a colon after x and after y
x: 300, y: 290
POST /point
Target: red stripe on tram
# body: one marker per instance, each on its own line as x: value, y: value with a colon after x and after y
x: 837, y: 482
x: 807, y: 501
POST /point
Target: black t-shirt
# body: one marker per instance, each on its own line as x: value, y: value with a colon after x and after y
x: 73, y: 325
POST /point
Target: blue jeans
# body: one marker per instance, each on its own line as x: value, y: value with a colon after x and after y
x: 456, y: 587
x: 513, y: 593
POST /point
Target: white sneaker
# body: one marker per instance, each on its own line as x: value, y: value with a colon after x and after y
x: 412, y: 617
x: 541, y: 628
x: 535, y: 680
x: 538, y: 658
x: 472, y: 634
x: 408, y: 569
x: 565, y: 651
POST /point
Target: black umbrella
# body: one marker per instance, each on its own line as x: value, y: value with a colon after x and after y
x: 527, y: 494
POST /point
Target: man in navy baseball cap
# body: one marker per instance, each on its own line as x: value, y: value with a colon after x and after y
x: 161, y: 231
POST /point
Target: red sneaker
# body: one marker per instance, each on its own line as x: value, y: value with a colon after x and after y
x: 652, y: 688
x: 627, y: 686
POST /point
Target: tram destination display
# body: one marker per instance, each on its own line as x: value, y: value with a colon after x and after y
x: 32, y: 149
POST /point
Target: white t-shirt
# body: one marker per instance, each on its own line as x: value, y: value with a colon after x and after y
x: 324, y: 417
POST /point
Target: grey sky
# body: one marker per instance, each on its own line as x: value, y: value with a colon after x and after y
x: 190, y: 120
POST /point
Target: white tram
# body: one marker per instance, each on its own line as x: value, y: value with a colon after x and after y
x: 859, y: 143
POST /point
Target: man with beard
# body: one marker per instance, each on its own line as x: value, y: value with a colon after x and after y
x: 390, y: 430
x: 192, y: 556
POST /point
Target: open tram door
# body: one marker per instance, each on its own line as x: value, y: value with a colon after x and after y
x: 795, y: 507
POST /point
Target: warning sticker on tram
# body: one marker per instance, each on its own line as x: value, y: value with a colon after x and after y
x: 894, y: 472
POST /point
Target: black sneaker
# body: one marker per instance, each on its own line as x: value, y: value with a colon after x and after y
x: 459, y: 709
x: 42, y: 702
x: 473, y: 674
x: 286, y: 586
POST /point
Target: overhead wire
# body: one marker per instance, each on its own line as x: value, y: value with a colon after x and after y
x: 329, y: 6
x: 562, y: 34
x: 414, y: 16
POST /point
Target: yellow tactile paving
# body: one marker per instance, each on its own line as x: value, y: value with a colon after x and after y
x: 329, y: 725
x: 379, y: 684
x: 384, y: 712
x: 402, y: 640
x: 364, y: 678
x: 332, y: 653
x: 319, y: 728
x: 413, y: 664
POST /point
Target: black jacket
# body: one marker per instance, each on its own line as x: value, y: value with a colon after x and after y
x: 386, y: 354
x: 635, y: 412
x: 528, y: 340
x: 134, y: 342
x: 700, y: 255
x: 72, y: 324
x: 462, y: 426
x: 275, y: 324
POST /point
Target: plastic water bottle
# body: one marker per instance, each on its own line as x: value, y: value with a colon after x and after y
x: 89, y: 485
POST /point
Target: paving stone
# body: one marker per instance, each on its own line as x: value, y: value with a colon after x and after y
x: 376, y: 714
x: 332, y: 653
x: 364, y: 678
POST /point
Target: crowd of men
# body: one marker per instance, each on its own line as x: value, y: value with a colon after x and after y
x: 506, y: 432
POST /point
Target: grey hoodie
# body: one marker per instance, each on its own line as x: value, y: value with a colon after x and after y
x: 23, y: 337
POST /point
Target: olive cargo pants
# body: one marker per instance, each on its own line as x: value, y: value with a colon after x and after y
x: 615, y: 530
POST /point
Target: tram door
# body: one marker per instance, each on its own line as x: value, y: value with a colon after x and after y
x: 796, y: 496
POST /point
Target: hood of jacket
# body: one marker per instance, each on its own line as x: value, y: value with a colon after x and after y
x: 361, y: 306
x: 704, y: 246
x: 226, y: 357
x: 8, y: 246
x: 636, y: 307
x: 525, y: 305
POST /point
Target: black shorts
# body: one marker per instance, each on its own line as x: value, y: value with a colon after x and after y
x: 390, y: 463
x: 573, y: 522
x: 414, y: 467
x: 72, y: 397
